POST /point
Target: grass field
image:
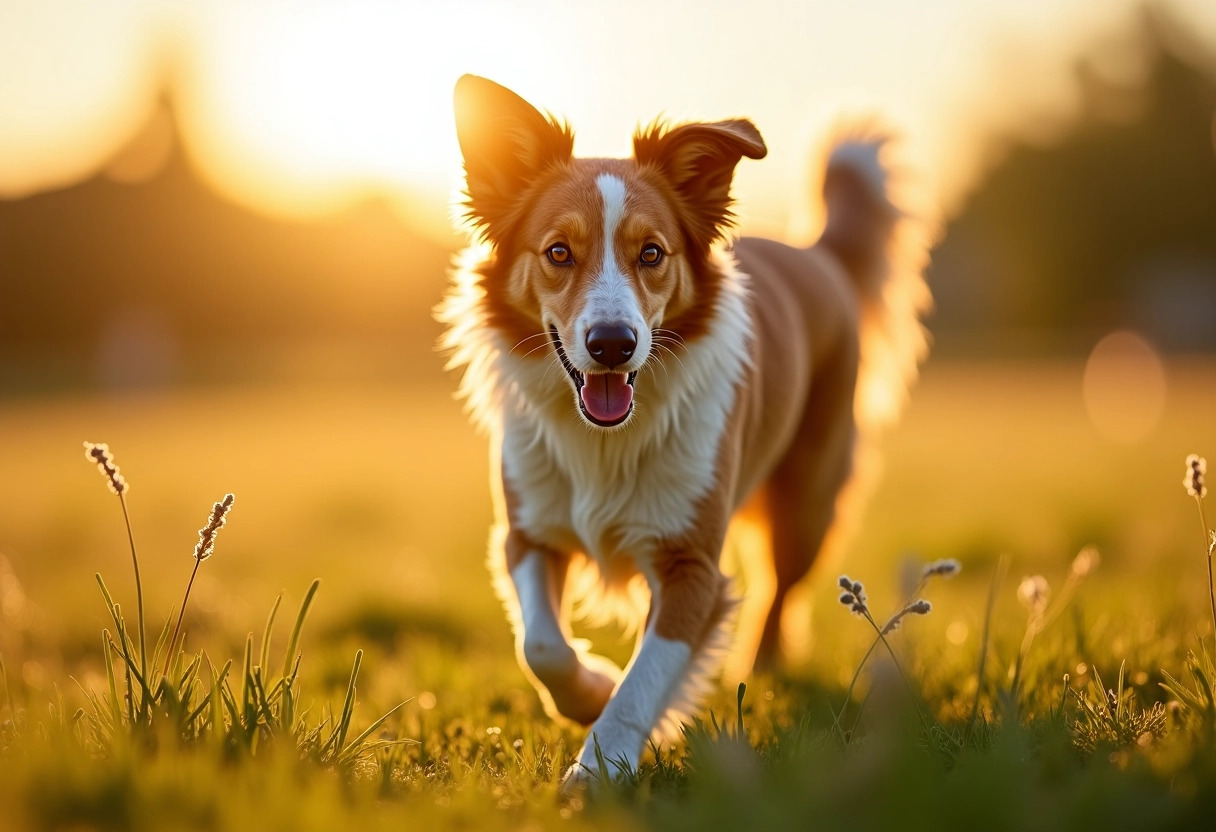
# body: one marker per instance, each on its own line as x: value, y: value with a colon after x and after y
x: 381, y: 492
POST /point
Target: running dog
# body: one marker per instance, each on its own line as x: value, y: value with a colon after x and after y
x: 646, y: 381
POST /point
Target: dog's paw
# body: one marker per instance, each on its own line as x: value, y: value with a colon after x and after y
x: 583, y: 700
x: 595, y: 770
x: 578, y: 779
x: 598, y: 679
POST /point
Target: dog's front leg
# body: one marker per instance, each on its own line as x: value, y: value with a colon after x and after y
x: 575, y: 686
x: 686, y: 590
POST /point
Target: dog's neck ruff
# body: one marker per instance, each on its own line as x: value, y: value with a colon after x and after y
x: 500, y: 384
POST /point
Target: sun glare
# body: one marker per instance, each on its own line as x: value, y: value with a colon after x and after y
x: 331, y: 103
x: 71, y: 88
x: 304, y: 109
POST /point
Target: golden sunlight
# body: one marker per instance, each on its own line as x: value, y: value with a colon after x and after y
x: 306, y: 112
x: 305, y: 109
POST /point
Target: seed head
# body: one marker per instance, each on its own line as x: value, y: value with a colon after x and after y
x: 854, y: 595
x: 946, y: 568
x: 206, y: 535
x: 100, y: 454
x: 1033, y: 592
x: 1196, y: 467
x: 919, y: 607
x: 1086, y: 561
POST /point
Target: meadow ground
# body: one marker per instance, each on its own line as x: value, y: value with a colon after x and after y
x: 380, y: 490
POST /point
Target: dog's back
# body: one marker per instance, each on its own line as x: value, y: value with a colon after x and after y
x: 838, y: 342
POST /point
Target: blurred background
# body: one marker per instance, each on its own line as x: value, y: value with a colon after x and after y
x: 223, y: 226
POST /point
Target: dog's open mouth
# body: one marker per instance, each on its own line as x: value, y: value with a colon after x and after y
x: 606, y: 399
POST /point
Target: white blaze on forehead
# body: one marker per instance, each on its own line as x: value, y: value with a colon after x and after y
x: 612, y: 190
x: 611, y: 298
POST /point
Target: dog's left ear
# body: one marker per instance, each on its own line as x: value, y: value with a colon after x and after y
x: 698, y: 160
x: 506, y: 144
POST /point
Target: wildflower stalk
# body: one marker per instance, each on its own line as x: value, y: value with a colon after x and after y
x: 99, y: 453
x: 202, y: 550
x: 1085, y: 562
x: 848, y: 696
x: 1035, y: 594
x: 139, y: 589
x: 854, y: 597
x: 178, y: 626
x: 894, y: 659
x: 1203, y: 523
x: 1196, y: 468
x: 890, y: 626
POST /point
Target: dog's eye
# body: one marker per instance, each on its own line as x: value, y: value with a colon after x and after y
x: 651, y: 255
x: 559, y: 255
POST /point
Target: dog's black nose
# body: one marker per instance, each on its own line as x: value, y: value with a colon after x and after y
x: 611, y: 344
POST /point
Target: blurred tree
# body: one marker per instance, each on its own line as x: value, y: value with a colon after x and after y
x: 145, y: 258
x: 1113, y: 226
x: 142, y: 269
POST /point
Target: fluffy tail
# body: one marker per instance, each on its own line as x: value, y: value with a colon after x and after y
x: 884, y: 247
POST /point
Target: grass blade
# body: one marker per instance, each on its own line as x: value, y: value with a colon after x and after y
x: 111, y: 607
x: 353, y: 748
x: 163, y: 647
x: 115, y: 702
x: 294, y: 641
x: 264, y: 657
x: 348, y: 706
x: 998, y: 578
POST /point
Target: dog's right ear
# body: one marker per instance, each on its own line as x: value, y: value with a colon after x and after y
x: 506, y: 143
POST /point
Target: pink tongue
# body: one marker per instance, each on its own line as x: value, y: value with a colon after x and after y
x: 607, y: 396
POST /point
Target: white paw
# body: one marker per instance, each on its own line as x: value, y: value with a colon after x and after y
x: 610, y: 750
x: 593, y: 770
x: 578, y: 778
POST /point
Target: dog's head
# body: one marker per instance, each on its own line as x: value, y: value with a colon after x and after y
x: 599, y: 261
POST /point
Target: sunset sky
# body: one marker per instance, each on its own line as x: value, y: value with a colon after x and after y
x: 304, y: 108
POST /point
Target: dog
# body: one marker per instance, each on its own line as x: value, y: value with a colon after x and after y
x: 645, y: 382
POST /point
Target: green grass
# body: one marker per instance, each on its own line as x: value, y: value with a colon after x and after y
x: 381, y: 493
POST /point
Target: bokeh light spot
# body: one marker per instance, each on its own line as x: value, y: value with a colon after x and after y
x: 1124, y: 387
x: 957, y: 632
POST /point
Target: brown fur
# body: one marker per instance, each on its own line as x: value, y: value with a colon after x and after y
x: 824, y: 323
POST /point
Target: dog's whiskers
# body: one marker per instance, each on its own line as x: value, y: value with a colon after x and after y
x: 655, y: 346
x: 553, y: 362
x: 535, y: 349
x: 668, y: 334
x: 523, y: 341
x: 658, y: 360
x: 663, y: 341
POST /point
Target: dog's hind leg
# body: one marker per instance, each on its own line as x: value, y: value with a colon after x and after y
x: 748, y: 551
x: 803, y: 494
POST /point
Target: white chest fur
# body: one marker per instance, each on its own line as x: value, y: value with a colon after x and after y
x: 614, y: 494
